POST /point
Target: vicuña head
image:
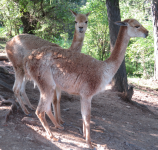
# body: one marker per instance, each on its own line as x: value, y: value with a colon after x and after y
x: 135, y: 29
x: 77, y: 73
x: 81, y: 21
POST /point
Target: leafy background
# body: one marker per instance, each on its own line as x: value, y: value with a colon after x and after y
x: 52, y: 20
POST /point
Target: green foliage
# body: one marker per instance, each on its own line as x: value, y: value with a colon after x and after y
x: 63, y: 41
x: 53, y: 21
x: 96, y: 41
x: 3, y: 31
x: 9, y: 15
x: 140, y: 52
x: 49, y: 18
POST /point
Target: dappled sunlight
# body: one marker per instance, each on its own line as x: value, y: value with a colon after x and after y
x: 66, y: 138
x: 146, y: 83
x: 146, y: 98
x: 5, y: 108
x: 97, y: 130
x: 155, y: 135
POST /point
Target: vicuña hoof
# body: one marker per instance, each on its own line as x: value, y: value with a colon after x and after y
x: 61, y: 121
x: 90, y: 145
x: 55, y: 139
x: 59, y: 127
x: 32, y: 107
x: 26, y: 112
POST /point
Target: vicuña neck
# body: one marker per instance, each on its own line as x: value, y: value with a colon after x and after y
x: 119, y: 50
x: 77, y: 42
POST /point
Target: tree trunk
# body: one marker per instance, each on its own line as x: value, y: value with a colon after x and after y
x: 119, y: 81
x: 29, y: 24
x: 155, y: 28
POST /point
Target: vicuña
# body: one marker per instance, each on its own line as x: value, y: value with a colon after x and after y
x: 77, y: 73
x: 21, y: 45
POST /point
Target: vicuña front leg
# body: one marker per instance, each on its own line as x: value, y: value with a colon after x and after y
x: 86, y: 116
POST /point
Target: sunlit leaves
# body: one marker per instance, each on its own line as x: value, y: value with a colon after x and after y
x: 140, y: 52
x: 96, y: 41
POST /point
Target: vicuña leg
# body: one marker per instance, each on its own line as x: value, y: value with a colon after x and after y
x: 45, y: 106
x: 47, y: 87
x: 49, y: 112
x: 16, y: 88
x: 24, y: 96
x: 86, y: 116
x: 56, y: 105
x: 58, y: 94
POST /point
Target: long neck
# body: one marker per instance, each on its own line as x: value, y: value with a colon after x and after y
x: 119, y: 50
x: 77, y: 42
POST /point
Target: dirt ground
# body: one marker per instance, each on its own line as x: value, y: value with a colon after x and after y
x: 115, y: 124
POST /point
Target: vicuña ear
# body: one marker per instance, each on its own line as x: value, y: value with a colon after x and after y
x: 121, y: 23
x: 73, y: 13
x: 88, y: 14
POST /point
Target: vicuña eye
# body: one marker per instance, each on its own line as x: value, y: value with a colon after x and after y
x: 137, y: 26
x: 86, y: 22
x: 75, y: 22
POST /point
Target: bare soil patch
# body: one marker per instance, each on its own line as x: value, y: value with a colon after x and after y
x: 115, y: 124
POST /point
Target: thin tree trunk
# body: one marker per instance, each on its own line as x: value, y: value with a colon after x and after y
x: 155, y: 28
x: 119, y: 81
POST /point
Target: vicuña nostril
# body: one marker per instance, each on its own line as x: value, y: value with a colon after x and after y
x: 80, y: 28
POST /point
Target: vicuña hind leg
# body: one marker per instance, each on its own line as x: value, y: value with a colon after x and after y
x: 16, y: 88
x: 86, y: 116
x: 48, y: 98
x: 41, y: 115
x: 24, y: 96
x: 45, y: 106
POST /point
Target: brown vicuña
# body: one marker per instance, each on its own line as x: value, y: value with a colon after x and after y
x: 77, y: 73
x: 21, y: 45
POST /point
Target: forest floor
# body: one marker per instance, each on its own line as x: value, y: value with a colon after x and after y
x: 115, y: 124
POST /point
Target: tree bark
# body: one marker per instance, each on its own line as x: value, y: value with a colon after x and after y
x: 119, y: 81
x: 29, y: 24
x: 155, y: 28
